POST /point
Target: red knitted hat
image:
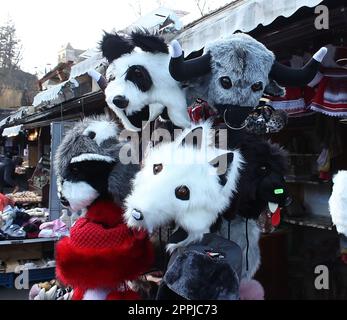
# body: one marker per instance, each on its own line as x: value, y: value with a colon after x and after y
x: 101, y: 250
x: 102, y: 227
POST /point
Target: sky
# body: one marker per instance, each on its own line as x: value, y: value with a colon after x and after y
x: 44, y: 26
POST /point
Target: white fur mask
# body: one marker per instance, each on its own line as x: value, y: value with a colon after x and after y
x: 179, y: 182
x: 79, y: 194
x: 338, y: 202
x: 164, y: 90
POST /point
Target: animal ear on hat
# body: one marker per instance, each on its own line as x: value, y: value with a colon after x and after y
x: 149, y: 42
x: 194, y: 54
x: 274, y: 89
x: 113, y: 46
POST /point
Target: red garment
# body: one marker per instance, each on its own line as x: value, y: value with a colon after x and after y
x: 102, y: 253
x: 331, y: 95
x: 5, y: 201
x: 296, y: 100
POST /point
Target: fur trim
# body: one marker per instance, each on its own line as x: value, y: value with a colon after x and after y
x: 91, y: 157
x: 89, y: 268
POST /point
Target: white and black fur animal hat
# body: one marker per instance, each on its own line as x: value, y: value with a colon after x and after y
x: 237, y: 70
x: 179, y: 181
x: 139, y: 85
x: 88, y: 166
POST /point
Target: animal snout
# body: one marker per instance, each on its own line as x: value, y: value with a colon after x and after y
x: 120, y: 102
x: 137, y: 214
x: 64, y: 201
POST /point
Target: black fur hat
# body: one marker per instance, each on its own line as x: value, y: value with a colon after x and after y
x: 209, y: 270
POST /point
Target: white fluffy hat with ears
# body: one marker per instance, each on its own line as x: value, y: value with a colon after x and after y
x: 338, y: 202
x: 188, y: 181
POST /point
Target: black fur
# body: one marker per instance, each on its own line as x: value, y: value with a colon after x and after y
x: 95, y: 173
x: 113, y: 46
x: 266, y: 165
x: 149, y: 42
x: 140, y: 77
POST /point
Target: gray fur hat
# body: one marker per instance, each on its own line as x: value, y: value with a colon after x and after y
x: 95, y: 139
x: 236, y: 71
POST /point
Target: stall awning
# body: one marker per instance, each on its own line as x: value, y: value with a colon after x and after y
x: 12, y: 131
x: 240, y: 15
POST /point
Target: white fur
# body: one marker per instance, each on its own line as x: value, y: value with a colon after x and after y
x: 338, y: 202
x: 154, y: 195
x: 103, y: 130
x: 165, y: 90
x: 91, y: 157
x: 79, y: 194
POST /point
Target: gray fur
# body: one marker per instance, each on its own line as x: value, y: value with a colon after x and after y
x: 238, y: 235
x: 245, y: 61
x: 76, y: 143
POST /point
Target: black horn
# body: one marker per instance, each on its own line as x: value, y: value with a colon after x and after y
x: 181, y: 69
x: 287, y: 76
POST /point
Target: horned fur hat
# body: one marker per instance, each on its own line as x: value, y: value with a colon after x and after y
x: 237, y: 70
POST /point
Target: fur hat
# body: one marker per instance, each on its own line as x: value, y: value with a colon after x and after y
x: 338, y: 202
x: 237, y: 70
x: 209, y: 270
x: 139, y: 85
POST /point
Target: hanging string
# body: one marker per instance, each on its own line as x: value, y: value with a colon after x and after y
x: 247, y: 248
